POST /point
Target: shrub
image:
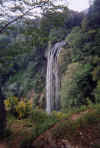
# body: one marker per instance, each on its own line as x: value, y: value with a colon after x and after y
x: 11, y: 103
x: 39, y: 116
x: 75, y: 85
x: 97, y: 92
x: 2, y: 118
x: 59, y: 115
x: 23, y: 109
x: 42, y: 120
x: 19, y: 108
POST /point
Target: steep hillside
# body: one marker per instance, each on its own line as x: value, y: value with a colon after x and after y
x: 78, y: 128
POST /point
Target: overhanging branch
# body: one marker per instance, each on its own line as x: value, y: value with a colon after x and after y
x: 35, y: 5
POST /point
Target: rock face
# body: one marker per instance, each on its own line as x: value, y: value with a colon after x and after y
x: 52, y: 78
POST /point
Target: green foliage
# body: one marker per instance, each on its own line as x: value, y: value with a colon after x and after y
x: 23, y: 67
x: 20, y: 109
x: 23, y: 109
x: 30, y: 127
x: 39, y: 116
x: 59, y: 115
x: 67, y: 86
x: 65, y: 58
x: 76, y: 85
x: 11, y: 104
x: 97, y: 92
x: 23, y: 63
x: 56, y: 35
x: 2, y: 117
x: 96, y: 73
x: 84, y: 44
x: 79, y: 43
x: 52, y: 20
x: 73, y: 130
x: 84, y: 24
x: 93, y: 15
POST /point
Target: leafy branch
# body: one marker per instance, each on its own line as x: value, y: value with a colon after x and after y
x: 41, y: 4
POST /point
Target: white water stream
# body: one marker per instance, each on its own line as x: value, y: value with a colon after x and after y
x: 52, y: 78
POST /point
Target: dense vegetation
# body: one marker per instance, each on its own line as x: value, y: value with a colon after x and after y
x: 23, y: 50
x: 81, y: 79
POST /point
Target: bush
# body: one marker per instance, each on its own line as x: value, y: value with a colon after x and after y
x: 11, y: 103
x: 58, y: 115
x: 97, y: 92
x: 39, y: 116
x: 2, y: 118
x: 76, y: 85
x: 19, y: 108
x: 42, y: 120
x: 23, y: 109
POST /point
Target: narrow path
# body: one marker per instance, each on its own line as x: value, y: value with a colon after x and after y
x: 46, y: 140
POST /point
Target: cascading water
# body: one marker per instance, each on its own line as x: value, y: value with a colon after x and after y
x: 52, y: 78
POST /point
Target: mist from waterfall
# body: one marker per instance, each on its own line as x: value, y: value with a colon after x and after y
x: 52, y: 78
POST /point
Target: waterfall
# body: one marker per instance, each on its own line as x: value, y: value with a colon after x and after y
x: 52, y: 78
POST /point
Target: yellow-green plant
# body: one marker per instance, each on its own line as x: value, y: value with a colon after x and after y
x: 23, y: 109
x: 11, y: 103
x: 59, y: 115
x: 20, y: 108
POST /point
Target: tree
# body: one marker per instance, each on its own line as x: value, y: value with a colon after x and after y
x: 2, y: 115
x: 77, y: 85
x: 23, y: 11
x: 5, y: 60
x: 33, y: 38
x: 93, y: 15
